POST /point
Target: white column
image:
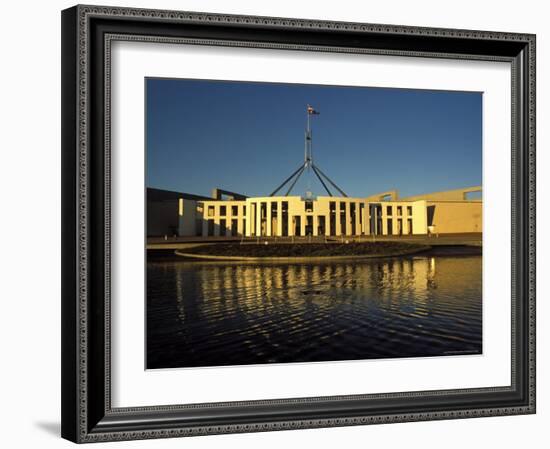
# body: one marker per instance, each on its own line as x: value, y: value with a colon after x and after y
x: 338, y: 223
x: 367, y: 219
x: 357, y: 221
x: 348, y: 218
x: 258, y: 219
x: 268, y: 218
x: 405, y: 220
x: 239, y: 217
x: 279, y: 218
x: 248, y: 219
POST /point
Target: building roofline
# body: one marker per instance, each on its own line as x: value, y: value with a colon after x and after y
x: 161, y: 194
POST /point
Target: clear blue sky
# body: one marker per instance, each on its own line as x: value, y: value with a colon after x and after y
x: 248, y: 137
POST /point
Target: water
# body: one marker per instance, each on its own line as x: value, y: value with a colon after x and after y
x: 211, y: 314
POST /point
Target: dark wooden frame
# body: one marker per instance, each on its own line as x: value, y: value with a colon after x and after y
x: 87, y: 32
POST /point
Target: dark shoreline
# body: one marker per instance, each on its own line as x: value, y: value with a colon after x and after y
x: 158, y: 255
x: 267, y: 250
x: 454, y: 250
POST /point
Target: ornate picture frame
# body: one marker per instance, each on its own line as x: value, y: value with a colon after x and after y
x: 87, y: 411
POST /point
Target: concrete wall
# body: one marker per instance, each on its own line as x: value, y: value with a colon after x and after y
x: 455, y: 216
x: 187, y: 217
x: 171, y: 217
x: 171, y: 213
x: 162, y: 218
x: 447, y: 195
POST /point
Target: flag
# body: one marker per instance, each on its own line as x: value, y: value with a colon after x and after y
x: 311, y: 111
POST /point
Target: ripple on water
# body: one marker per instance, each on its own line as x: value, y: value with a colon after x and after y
x: 208, y: 314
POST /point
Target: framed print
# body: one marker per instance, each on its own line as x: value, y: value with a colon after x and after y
x: 285, y: 223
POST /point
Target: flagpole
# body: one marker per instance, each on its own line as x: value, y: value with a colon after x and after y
x: 308, y: 155
x: 308, y: 162
x: 308, y: 139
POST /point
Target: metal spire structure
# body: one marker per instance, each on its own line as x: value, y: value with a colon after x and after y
x: 308, y: 163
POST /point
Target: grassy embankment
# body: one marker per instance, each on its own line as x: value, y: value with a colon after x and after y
x: 304, y: 250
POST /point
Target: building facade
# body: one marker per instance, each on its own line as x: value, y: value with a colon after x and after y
x: 232, y: 215
x: 382, y: 214
x: 288, y: 216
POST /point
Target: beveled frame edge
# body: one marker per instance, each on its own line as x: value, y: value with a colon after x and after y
x: 77, y: 195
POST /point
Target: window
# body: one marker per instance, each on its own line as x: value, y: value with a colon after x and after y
x: 284, y: 214
x: 399, y: 210
x: 263, y: 210
x: 234, y: 210
x: 210, y: 211
x: 389, y: 210
x: 223, y: 211
x: 409, y: 210
x: 253, y: 211
x: 309, y: 206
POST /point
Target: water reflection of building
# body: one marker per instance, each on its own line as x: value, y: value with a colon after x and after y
x: 211, y: 314
x: 249, y: 288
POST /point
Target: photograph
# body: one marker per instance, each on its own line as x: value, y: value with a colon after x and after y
x: 279, y: 222
x: 300, y: 223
